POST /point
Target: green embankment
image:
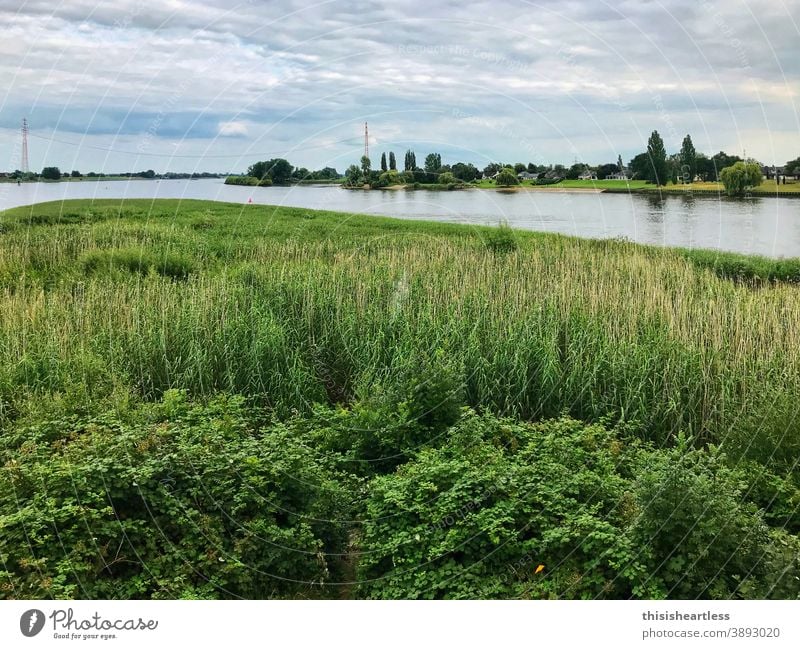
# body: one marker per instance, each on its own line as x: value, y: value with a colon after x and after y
x: 201, y: 399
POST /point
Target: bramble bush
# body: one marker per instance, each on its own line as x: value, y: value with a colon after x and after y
x: 561, y: 509
x: 173, y: 501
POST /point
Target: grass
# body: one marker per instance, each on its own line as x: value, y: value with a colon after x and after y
x: 766, y: 188
x: 106, y: 300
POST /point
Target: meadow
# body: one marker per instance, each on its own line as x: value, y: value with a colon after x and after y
x: 217, y: 400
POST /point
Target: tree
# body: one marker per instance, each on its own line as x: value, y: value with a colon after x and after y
x: 532, y: 169
x: 492, y: 168
x: 688, y: 160
x: 464, y: 171
x: 383, y: 162
x: 353, y: 176
x: 507, y: 178
x: 606, y: 170
x: 278, y: 170
x: 741, y: 177
x: 433, y: 162
x: 620, y: 166
x: 366, y: 165
x: 658, y: 159
x: 520, y: 167
x: 792, y: 167
x: 51, y: 173
x: 575, y: 170
x: 721, y: 160
x: 75, y: 174
x: 392, y: 161
x: 410, y: 162
x: 447, y: 178
x: 640, y: 167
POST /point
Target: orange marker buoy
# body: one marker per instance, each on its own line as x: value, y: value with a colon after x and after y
x: 539, y: 568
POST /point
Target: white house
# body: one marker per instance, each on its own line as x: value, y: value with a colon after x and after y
x: 588, y: 175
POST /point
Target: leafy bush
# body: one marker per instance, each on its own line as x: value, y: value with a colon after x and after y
x: 136, y: 261
x: 561, y: 509
x: 241, y: 180
x: 476, y: 518
x: 175, y: 501
x: 706, y: 540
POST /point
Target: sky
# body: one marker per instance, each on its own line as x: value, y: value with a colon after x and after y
x: 176, y: 85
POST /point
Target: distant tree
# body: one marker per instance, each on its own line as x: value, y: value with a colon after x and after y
x: 447, y: 178
x: 410, y: 163
x: 51, y: 173
x: 353, y: 176
x: 520, y: 167
x: 639, y: 167
x: 326, y: 173
x: 278, y: 170
x: 607, y: 170
x: 465, y: 172
x: 575, y: 170
x: 658, y: 159
x: 301, y: 173
x: 720, y: 161
x: 366, y: 165
x: 532, y: 169
x: 792, y: 168
x: 75, y: 174
x: 741, y: 177
x: 392, y: 161
x: 433, y: 162
x: 688, y: 157
x: 507, y: 178
x: 492, y: 168
x: 384, y: 167
x: 620, y: 166
x: 560, y: 171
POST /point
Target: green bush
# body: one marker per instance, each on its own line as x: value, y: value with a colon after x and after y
x: 174, y: 501
x: 242, y: 180
x: 561, y: 509
x: 706, y: 540
x: 477, y: 517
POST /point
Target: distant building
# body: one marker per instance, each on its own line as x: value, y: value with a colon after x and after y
x: 619, y: 175
x: 588, y: 175
x: 524, y: 175
x: 771, y: 172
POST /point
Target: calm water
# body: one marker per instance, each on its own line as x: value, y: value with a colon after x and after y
x: 767, y: 226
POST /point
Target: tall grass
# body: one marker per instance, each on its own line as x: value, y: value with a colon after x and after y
x: 291, y: 307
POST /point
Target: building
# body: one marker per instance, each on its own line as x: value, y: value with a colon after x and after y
x: 619, y: 175
x: 524, y: 175
x: 588, y: 175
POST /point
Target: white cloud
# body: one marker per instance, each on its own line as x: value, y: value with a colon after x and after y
x: 232, y: 129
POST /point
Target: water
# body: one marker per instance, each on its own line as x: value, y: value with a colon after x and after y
x: 765, y: 226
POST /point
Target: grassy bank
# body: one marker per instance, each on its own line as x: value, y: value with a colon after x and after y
x: 373, y: 357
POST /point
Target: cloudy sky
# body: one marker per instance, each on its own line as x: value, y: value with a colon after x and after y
x: 213, y: 86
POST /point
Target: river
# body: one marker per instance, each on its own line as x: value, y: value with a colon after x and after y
x: 765, y: 226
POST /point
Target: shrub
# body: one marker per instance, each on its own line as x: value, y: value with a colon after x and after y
x: 506, y: 178
x: 706, y: 541
x: 241, y: 180
x: 175, y: 501
x: 479, y: 516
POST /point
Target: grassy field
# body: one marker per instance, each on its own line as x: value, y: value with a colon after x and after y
x: 110, y: 307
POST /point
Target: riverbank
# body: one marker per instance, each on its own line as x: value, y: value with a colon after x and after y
x: 191, y: 363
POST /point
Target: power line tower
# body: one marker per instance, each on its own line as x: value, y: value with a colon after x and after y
x: 24, y: 164
x: 366, y: 140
